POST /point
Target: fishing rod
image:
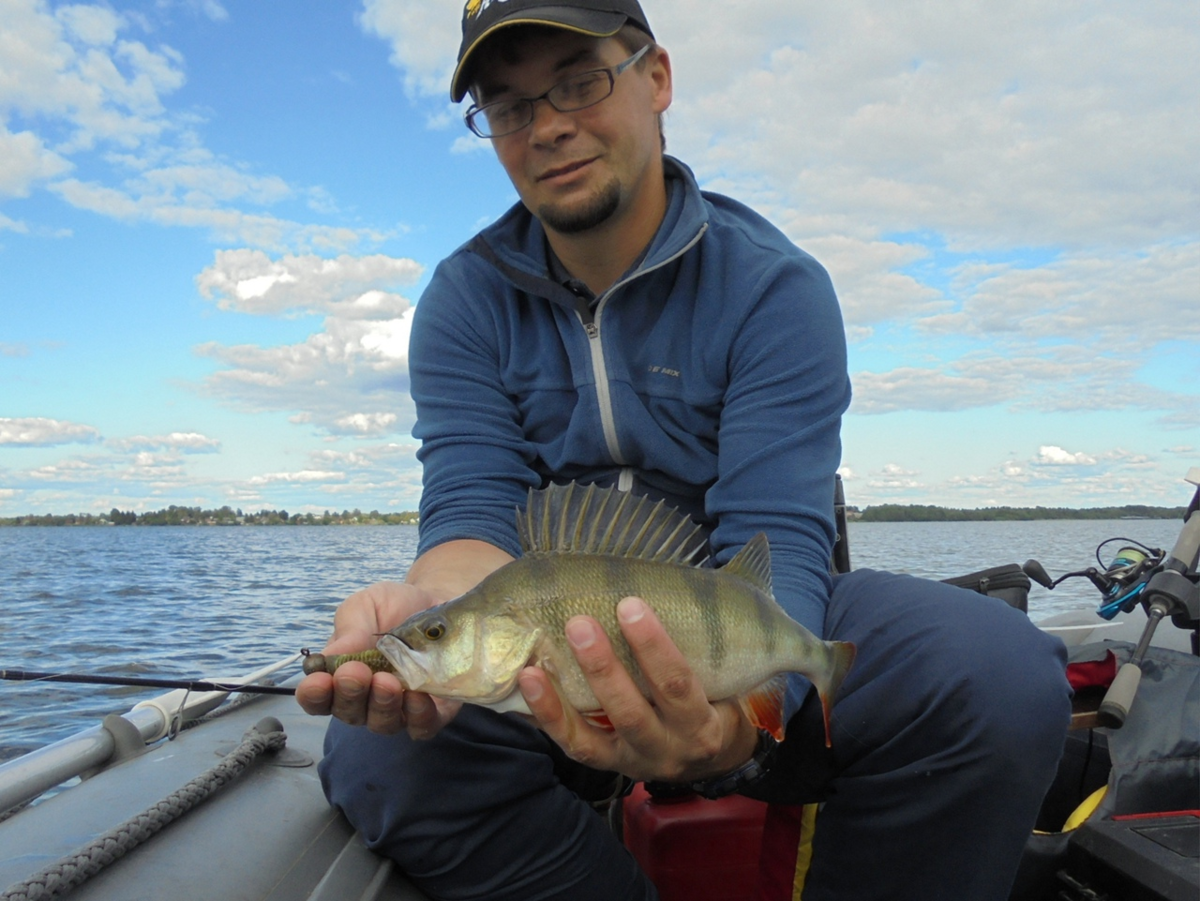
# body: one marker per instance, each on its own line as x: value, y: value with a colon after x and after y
x: 21, y: 675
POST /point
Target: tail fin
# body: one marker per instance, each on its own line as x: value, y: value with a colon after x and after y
x: 841, y: 657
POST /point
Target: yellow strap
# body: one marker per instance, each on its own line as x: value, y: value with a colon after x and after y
x: 1086, y: 809
x: 1080, y: 814
x: 804, y: 851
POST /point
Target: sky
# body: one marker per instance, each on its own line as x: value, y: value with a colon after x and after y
x: 216, y: 217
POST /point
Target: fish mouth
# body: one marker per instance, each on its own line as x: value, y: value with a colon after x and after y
x: 411, y: 665
x: 416, y: 672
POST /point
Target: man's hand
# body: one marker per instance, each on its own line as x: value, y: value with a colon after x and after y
x: 356, y: 696
x: 679, y: 737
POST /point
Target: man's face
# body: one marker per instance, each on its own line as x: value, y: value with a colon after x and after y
x: 576, y: 171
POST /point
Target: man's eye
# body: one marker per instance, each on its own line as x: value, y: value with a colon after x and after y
x: 581, y: 88
x: 504, y: 112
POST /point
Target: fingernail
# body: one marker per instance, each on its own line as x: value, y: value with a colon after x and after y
x: 580, y: 633
x: 630, y: 610
x: 531, y: 688
x: 383, y: 695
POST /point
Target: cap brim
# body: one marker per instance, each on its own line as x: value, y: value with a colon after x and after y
x: 590, y: 22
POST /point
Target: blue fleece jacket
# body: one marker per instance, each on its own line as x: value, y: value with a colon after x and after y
x: 712, y: 374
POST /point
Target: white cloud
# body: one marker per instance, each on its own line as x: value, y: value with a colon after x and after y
x: 72, y: 68
x: 27, y: 161
x: 424, y: 35
x: 88, y: 87
x: 350, y: 378
x: 304, y: 475
x: 169, y: 203
x: 1140, y: 298
x: 366, y: 423
x: 185, y: 442
x: 347, y: 286
x: 42, y: 432
x: 352, y: 364
x: 210, y: 9
x: 1052, y: 455
x: 95, y: 26
x: 912, y: 388
x: 7, y: 224
x: 1017, y: 124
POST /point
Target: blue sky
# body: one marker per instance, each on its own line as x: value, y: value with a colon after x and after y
x: 216, y: 216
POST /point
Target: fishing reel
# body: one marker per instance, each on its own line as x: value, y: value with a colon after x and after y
x: 1166, y: 584
x: 1121, y: 581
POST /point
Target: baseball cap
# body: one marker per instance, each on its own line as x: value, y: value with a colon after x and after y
x: 482, y: 18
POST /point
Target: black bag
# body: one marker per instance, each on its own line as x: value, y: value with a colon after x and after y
x: 1009, y: 583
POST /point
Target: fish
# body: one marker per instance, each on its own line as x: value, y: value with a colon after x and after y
x: 583, y: 550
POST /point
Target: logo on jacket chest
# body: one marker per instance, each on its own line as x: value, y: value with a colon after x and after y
x: 662, y: 370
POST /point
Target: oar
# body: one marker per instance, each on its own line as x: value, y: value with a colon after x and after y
x: 21, y: 675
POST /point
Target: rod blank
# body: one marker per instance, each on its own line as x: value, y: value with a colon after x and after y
x: 20, y: 675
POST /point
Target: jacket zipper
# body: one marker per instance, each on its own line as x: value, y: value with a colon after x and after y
x: 599, y: 371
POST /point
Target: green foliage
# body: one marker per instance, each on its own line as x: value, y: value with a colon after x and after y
x: 226, y: 516
x: 928, y: 513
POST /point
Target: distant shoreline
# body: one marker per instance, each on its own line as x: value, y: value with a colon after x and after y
x: 195, y: 516
x: 929, y: 513
x: 226, y: 516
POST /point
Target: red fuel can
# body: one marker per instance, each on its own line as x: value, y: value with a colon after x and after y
x: 694, y: 849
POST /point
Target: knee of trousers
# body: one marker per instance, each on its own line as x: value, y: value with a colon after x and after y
x: 945, y: 663
x: 423, y: 802
x: 1017, y: 679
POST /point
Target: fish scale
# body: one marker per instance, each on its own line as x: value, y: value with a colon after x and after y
x: 584, y: 550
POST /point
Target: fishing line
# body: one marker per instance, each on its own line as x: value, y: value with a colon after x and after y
x: 20, y: 675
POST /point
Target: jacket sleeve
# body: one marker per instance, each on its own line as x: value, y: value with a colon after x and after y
x: 780, y: 443
x: 476, y: 460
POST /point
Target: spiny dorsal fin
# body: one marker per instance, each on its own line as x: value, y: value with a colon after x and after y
x: 573, y: 519
x: 753, y: 563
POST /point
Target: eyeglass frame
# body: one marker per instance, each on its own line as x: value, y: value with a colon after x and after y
x: 611, y: 71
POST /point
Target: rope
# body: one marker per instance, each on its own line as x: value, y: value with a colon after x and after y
x: 62, y: 876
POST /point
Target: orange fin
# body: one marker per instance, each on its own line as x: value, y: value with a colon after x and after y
x: 599, y: 718
x: 764, y: 705
x: 842, y: 658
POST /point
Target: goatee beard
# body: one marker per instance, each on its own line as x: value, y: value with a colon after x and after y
x: 572, y: 221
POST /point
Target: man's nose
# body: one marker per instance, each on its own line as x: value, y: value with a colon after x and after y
x: 548, y: 123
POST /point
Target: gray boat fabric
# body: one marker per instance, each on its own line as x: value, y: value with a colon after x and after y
x: 63, y: 875
x: 1156, y: 754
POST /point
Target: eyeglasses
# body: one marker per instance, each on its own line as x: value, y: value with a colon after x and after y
x: 503, y: 117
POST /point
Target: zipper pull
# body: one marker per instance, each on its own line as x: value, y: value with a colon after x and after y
x: 593, y: 331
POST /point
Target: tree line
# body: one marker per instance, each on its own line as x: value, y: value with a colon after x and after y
x: 225, y: 516
x: 929, y: 513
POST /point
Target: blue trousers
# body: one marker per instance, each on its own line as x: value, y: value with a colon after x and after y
x: 945, y: 737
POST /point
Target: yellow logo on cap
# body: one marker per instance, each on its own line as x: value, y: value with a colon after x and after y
x: 475, y: 7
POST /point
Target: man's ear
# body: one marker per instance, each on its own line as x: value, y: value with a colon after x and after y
x: 660, y: 75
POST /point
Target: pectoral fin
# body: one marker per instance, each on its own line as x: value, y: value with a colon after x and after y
x: 764, y: 705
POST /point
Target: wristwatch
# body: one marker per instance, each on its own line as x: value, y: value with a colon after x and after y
x: 749, y: 773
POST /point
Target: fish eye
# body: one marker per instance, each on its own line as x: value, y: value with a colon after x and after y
x: 434, y: 631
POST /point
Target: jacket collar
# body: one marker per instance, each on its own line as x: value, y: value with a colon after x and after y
x: 516, y: 243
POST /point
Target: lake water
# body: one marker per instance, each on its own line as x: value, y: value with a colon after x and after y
x: 187, y: 602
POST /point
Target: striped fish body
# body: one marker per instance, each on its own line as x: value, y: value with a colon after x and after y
x: 733, y: 634
x: 585, y: 550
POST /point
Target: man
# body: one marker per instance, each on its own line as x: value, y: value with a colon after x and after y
x: 620, y: 326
